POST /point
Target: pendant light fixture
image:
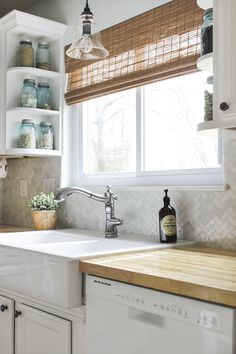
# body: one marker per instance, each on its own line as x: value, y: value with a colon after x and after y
x: 86, y: 45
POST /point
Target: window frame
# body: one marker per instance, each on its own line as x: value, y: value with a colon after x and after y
x: 180, y: 179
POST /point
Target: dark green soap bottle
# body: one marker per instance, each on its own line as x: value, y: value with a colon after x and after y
x: 167, y: 221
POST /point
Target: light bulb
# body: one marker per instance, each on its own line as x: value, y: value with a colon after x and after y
x: 86, y: 44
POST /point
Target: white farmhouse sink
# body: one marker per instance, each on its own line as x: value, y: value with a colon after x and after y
x: 45, y: 264
x: 42, y: 237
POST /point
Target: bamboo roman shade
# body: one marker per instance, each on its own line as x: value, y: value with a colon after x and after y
x: 157, y: 44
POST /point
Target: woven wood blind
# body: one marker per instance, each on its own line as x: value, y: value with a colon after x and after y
x: 161, y: 43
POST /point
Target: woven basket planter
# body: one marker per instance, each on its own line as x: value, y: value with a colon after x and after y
x: 44, y: 219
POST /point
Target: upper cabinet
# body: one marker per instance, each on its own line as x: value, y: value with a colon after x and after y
x: 222, y: 63
x: 35, y: 139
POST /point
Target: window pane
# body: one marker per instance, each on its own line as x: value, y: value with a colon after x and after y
x: 110, y: 138
x: 172, y: 110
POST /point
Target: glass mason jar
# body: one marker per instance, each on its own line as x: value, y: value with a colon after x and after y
x: 207, y: 32
x: 26, y: 53
x: 208, y: 99
x: 27, y: 138
x: 46, y: 137
x: 43, y: 56
x: 44, y: 96
x: 29, y: 94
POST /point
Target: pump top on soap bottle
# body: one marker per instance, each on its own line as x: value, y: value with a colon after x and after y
x: 167, y: 221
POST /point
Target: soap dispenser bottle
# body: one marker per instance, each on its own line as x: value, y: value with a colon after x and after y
x: 167, y: 221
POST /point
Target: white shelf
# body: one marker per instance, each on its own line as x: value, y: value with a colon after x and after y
x: 35, y: 111
x: 228, y: 122
x: 32, y: 152
x: 207, y: 125
x: 205, y: 62
x: 7, y: 157
x: 22, y: 70
x: 19, y: 22
x: 205, y: 4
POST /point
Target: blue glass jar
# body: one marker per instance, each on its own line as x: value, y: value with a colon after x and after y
x: 27, y: 138
x: 207, y: 32
x: 44, y: 96
x: 29, y: 94
x: 43, y: 56
x: 46, y: 138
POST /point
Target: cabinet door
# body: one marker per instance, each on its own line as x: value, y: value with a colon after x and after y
x: 224, y: 60
x: 6, y: 325
x: 38, y: 332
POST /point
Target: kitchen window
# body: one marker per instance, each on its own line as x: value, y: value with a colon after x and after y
x: 138, y: 108
x: 147, y: 136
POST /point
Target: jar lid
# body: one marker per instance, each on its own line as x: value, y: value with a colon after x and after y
x: 29, y: 81
x: 26, y: 41
x: 43, y: 84
x: 43, y: 44
x: 208, y: 12
x: 45, y: 124
x: 27, y: 121
x: 210, y: 80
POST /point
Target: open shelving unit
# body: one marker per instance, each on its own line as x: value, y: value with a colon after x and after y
x: 205, y: 63
x: 17, y: 26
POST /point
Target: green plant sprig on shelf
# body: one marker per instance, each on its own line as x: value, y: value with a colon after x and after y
x: 44, y: 201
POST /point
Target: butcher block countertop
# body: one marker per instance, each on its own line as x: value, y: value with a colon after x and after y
x: 196, y: 272
x: 9, y: 228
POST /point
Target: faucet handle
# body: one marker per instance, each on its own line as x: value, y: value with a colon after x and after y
x: 109, y: 191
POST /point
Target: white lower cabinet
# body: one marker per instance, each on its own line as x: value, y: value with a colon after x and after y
x: 38, y: 332
x: 28, y: 330
x: 6, y: 325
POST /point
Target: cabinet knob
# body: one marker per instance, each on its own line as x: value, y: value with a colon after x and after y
x: 17, y: 313
x: 224, y: 106
x: 3, y: 308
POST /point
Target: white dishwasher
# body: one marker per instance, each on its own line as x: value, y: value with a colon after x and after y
x: 127, y: 319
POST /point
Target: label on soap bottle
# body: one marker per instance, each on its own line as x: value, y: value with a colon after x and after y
x: 168, y: 225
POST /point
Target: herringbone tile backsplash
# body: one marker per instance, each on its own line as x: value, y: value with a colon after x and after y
x: 15, y: 208
x: 208, y: 217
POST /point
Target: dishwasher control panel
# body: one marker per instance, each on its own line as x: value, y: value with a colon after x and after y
x: 169, y: 306
x: 202, y: 318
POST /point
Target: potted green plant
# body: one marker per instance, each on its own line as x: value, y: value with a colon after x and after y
x: 44, y: 211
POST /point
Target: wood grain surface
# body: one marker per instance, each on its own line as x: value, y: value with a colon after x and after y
x: 9, y: 228
x: 196, y: 272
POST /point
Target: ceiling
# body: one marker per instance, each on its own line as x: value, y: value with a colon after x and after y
x: 8, y: 5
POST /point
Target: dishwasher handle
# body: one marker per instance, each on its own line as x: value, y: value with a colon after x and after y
x: 146, y: 317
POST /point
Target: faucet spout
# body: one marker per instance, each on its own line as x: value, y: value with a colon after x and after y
x: 66, y: 192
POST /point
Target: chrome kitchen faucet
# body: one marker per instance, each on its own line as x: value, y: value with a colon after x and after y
x: 108, y: 198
